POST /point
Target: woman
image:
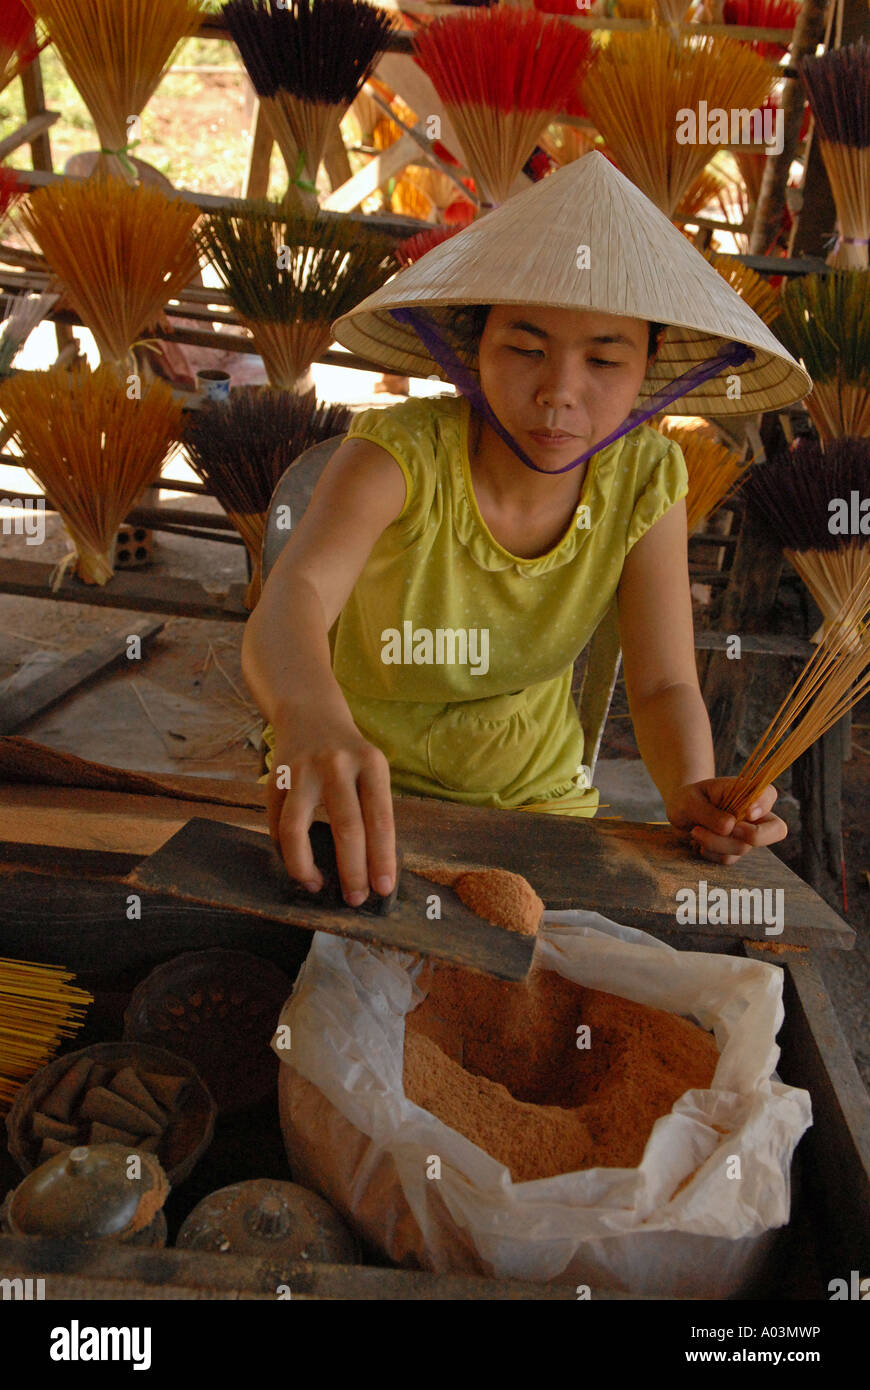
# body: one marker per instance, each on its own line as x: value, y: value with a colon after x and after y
x: 419, y: 629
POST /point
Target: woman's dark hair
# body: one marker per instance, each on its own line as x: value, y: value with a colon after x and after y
x: 466, y: 323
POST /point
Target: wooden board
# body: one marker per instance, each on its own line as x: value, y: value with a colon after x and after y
x: 29, y: 692
x: 626, y: 871
x: 225, y: 867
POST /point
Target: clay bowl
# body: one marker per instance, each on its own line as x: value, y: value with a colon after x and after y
x: 183, y: 1143
x: 219, y: 1009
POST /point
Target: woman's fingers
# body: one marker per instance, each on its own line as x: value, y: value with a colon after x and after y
x: 376, y: 800
x: 348, y: 830
x: 295, y: 813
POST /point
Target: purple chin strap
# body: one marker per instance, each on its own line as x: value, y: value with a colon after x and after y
x: 729, y: 355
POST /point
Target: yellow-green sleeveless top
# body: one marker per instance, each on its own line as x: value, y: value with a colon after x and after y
x: 456, y: 657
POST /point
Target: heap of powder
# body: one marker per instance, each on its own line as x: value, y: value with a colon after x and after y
x: 499, y: 1062
x: 505, y: 899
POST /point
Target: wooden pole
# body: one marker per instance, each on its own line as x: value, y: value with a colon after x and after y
x: 809, y: 31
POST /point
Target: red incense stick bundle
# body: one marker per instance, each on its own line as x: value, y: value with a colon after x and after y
x: 503, y: 75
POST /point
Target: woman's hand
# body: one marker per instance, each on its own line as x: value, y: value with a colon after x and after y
x: 716, y: 833
x: 332, y: 766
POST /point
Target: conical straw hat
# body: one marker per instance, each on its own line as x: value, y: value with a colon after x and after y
x: 640, y: 265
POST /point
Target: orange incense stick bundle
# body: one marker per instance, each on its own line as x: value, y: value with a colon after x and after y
x: 714, y: 471
x: 120, y: 252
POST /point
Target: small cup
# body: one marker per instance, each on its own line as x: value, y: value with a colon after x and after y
x: 213, y: 385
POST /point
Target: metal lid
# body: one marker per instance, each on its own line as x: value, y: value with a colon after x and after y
x: 266, y: 1217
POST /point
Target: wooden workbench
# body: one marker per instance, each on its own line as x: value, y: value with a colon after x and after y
x: 69, y: 829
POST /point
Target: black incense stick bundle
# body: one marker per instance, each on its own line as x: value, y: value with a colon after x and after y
x: 838, y: 89
x: 812, y: 502
x: 241, y: 450
x: 307, y: 61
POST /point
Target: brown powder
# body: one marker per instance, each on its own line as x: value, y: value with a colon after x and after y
x: 499, y: 1062
x: 505, y: 899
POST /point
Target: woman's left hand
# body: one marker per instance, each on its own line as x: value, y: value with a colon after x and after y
x: 716, y: 833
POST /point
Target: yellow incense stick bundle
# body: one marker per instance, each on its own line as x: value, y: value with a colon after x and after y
x: 116, y: 52
x: 639, y: 88
x: 38, y: 1009
x: 714, y: 471
x: 121, y: 253
x: 92, y: 448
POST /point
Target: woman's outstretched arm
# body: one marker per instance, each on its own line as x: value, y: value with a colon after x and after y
x: 667, y: 709
x: 286, y: 663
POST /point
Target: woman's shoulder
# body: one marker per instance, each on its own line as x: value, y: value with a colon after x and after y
x: 420, y: 423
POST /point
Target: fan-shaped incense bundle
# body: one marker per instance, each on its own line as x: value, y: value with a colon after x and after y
x: 290, y: 278
x: 120, y: 253
x: 18, y: 48
x: 38, y: 1009
x: 825, y: 321
x: 763, y: 14
x: 835, y: 678
x: 116, y: 52
x: 811, y: 500
x: 748, y: 284
x: 639, y: 85
x: 714, y: 471
x: 307, y: 60
x: 503, y: 74
x: 838, y: 88
x: 242, y: 449
x: 92, y: 448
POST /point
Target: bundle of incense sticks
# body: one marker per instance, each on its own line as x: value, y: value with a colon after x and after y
x: 243, y: 448
x: 116, y: 53
x: 120, y: 253
x: 714, y: 471
x: 835, y: 678
x: 503, y: 74
x: 307, y: 60
x: 290, y: 277
x: 38, y: 1009
x: 763, y: 14
x: 825, y: 321
x: 639, y: 84
x: 748, y: 284
x: 838, y: 88
x: 93, y: 448
x: 812, y: 501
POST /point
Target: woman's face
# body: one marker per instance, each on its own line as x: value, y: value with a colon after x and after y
x: 560, y: 380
